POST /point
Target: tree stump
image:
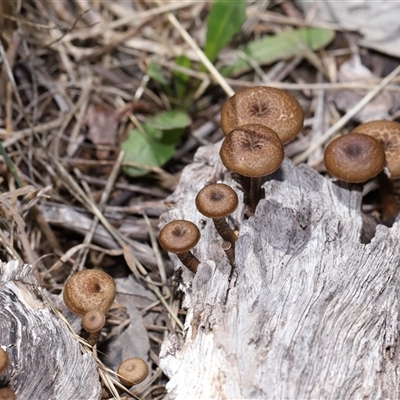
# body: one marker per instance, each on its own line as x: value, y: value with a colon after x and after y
x: 310, y: 311
x: 46, y: 362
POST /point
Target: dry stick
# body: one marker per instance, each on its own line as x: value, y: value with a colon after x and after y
x: 104, y: 197
x: 347, y: 117
x: 203, y: 58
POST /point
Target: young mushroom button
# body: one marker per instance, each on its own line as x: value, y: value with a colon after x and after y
x: 7, y: 394
x: 253, y: 151
x: 267, y: 106
x: 179, y: 237
x: 89, y: 290
x: 132, y: 371
x: 354, y: 157
x: 92, y: 324
x: 217, y: 201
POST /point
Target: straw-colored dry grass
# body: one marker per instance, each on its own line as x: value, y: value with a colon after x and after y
x: 65, y: 66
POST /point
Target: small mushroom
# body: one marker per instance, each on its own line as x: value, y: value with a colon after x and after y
x: 253, y: 151
x: 263, y: 105
x: 4, y: 361
x: 179, y: 237
x: 92, y: 324
x: 354, y: 157
x: 229, y: 250
x: 89, y: 290
x: 132, y: 371
x: 7, y: 394
x: 217, y: 201
x: 388, y: 134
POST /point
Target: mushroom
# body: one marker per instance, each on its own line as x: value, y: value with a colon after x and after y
x: 89, y: 290
x: 217, y: 201
x: 7, y: 394
x: 229, y: 250
x: 4, y: 361
x: 267, y: 106
x: 253, y: 151
x: 92, y: 324
x: 179, y: 237
x: 354, y: 157
x: 132, y: 371
x: 388, y: 134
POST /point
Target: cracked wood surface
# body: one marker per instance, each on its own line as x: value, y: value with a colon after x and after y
x: 45, y: 361
x: 310, y: 312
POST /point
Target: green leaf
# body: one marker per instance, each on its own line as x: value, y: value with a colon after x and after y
x: 281, y: 46
x: 171, y: 120
x: 144, y: 151
x: 224, y: 21
x: 181, y: 80
x: 155, y: 72
x: 156, y: 145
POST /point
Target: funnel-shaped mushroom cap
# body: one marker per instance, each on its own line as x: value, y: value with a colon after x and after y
x: 354, y: 157
x: 388, y: 134
x: 179, y: 236
x: 267, y: 106
x: 89, y: 290
x: 217, y: 200
x: 252, y: 150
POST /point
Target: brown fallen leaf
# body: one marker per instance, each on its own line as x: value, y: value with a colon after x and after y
x: 102, y: 124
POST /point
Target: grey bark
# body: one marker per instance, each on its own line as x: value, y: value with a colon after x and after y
x: 310, y: 312
x: 46, y: 362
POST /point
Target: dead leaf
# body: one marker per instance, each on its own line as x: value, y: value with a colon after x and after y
x: 381, y: 107
x: 103, y: 128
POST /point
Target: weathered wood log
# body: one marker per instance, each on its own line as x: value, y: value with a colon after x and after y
x: 46, y: 362
x: 310, y: 312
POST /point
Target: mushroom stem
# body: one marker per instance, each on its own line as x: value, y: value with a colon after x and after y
x: 189, y: 261
x: 229, y: 249
x: 254, y: 192
x: 90, y: 337
x: 390, y: 209
x: 224, y: 230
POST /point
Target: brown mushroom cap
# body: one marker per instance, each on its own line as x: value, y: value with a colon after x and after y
x: 388, y: 134
x: 132, y: 371
x: 217, y: 200
x: 267, y: 106
x: 89, y: 290
x: 4, y: 361
x: 7, y: 394
x: 354, y: 157
x: 93, y: 321
x: 252, y: 150
x: 179, y: 236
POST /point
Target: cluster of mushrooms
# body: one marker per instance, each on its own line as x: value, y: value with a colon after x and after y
x: 257, y: 122
x: 371, y: 149
x: 90, y: 295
